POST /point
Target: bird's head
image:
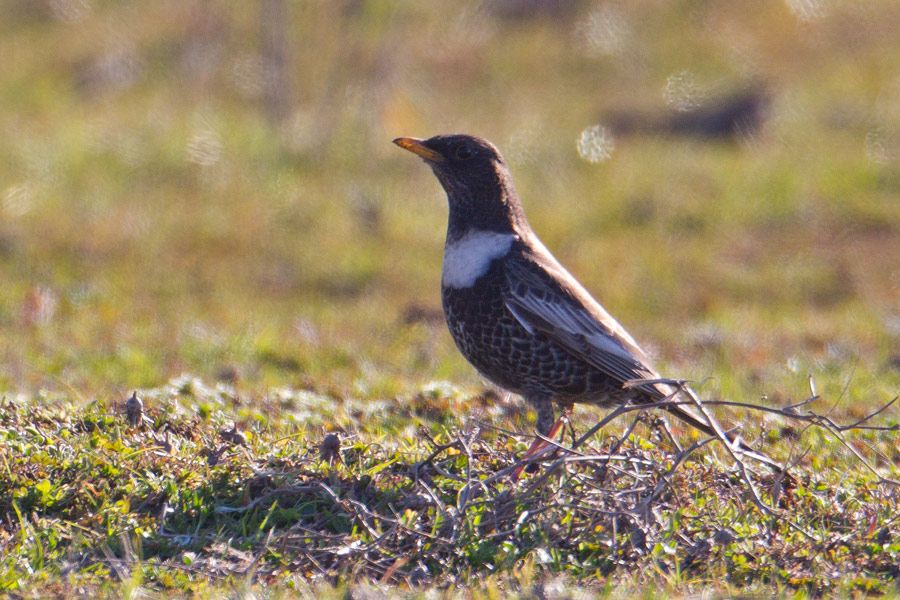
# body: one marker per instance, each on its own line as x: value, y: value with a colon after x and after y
x: 471, y: 170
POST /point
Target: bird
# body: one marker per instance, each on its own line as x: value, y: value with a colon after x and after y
x: 516, y: 314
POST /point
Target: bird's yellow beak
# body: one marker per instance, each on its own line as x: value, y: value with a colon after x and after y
x: 417, y: 147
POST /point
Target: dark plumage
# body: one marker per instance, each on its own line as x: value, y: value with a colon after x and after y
x: 514, y: 312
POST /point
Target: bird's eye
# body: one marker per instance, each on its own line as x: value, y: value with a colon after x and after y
x: 463, y: 152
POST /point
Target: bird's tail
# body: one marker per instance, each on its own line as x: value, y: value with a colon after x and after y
x: 701, y: 423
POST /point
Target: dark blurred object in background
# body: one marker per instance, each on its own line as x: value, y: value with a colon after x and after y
x: 274, y: 21
x: 735, y: 115
x: 514, y: 10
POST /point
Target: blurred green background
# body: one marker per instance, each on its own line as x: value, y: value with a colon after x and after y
x: 210, y: 188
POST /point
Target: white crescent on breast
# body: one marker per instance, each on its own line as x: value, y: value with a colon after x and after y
x: 469, y: 257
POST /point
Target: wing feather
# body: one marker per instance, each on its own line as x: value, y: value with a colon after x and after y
x: 544, y: 297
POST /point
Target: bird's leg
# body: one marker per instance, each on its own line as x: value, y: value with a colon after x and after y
x: 544, y: 409
x: 545, y: 427
x: 551, y: 431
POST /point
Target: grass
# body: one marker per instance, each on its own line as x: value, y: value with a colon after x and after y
x: 178, y: 499
x: 158, y: 232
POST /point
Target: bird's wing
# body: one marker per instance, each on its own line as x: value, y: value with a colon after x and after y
x: 544, y: 297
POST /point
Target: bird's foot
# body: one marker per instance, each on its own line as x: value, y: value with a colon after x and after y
x: 540, y: 443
